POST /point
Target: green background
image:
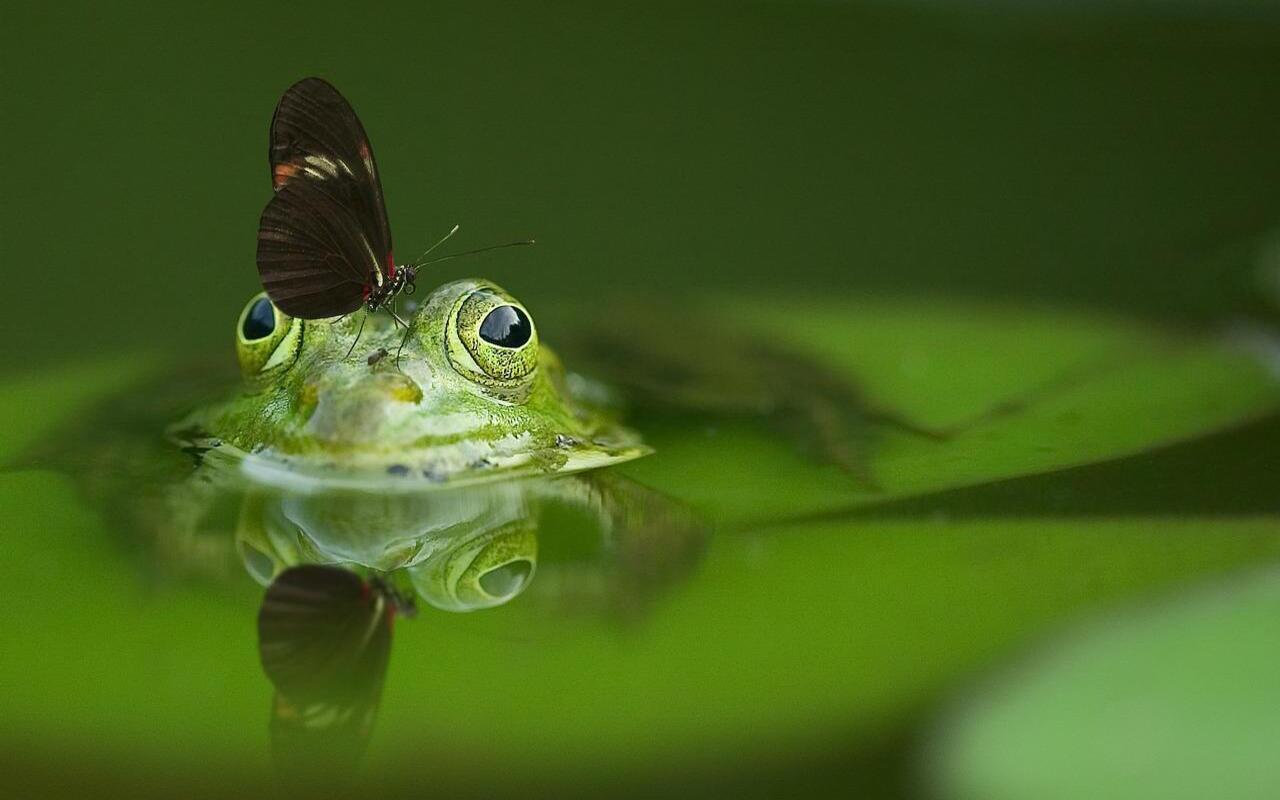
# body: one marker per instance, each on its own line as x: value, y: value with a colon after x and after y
x: 940, y: 174
x: 1096, y: 154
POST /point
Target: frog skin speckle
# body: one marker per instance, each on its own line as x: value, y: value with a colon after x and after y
x: 472, y: 394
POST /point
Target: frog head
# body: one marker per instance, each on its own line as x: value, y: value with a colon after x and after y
x: 461, y: 389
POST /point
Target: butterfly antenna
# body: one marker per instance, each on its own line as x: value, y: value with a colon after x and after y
x: 418, y: 261
x: 480, y: 250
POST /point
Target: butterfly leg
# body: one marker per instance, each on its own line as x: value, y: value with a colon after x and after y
x: 356, y: 340
x: 403, y: 339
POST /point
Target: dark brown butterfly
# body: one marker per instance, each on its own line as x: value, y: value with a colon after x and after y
x: 324, y: 243
x: 324, y: 638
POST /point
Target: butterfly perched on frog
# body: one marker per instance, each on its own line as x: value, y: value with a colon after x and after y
x: 324, y: 241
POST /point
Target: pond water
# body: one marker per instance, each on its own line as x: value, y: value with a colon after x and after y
x: 950, y: 331
x: 737, y: 597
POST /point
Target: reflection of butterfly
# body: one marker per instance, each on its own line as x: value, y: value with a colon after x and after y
x: 324, y: 637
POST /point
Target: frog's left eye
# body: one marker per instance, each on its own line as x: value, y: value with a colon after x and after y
x: 496, y: 344
x: 506, y: 326
x: 266, y: 338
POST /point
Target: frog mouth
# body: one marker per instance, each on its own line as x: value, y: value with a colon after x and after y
x: 432, y: 469
x: 435, y: 467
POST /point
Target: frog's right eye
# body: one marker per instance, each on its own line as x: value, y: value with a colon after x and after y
x: 259, y: 320
x: 266, y: 338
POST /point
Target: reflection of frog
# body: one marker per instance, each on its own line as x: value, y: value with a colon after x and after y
x: 610, y: 543
x: 325, y: 632
x: 472, y: 395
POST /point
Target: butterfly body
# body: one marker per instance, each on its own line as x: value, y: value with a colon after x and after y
x: 401, y: 281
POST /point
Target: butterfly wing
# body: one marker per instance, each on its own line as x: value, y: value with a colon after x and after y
x: 314, y: 256
x: 323, y: 631
x: 324, y: 238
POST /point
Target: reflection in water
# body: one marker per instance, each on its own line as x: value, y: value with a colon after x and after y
x: 340, y: 566
x: 586, y: 543
x: 324, y: 637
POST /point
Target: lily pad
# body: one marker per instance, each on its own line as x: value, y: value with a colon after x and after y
x: 1175, y: 701
x: 1015, y: 391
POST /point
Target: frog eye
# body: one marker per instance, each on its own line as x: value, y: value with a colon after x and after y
x: 506, y: 326
x: 499, y: 344
x: 480, y: 570
x: 266, y: 338
x: 259, y: 320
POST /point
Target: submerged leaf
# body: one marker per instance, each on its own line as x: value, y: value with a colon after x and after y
x: 1012, y: 391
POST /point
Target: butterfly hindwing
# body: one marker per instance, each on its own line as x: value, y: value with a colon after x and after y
x: 314, y: 258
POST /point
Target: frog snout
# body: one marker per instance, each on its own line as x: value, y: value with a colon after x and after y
x: 400, y: 388
x: 382, y: 391
x: 360, y: 411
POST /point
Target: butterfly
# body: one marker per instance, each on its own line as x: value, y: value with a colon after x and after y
x: 324, y: 242
x: 324, y: 640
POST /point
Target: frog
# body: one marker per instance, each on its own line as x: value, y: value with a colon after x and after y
x: 423, y: 454
x: 419, y: 465
x: 428, y: 473
x: 470, y: 394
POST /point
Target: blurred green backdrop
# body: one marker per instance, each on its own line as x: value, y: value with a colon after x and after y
x: 1101, y: 155
x: 1091, y: 154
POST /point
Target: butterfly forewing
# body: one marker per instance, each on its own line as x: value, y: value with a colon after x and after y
x: 324, y: 239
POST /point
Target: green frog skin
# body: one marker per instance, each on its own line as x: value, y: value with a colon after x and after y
x: 473, y: 395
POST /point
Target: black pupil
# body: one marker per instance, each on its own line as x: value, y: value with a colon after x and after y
x: 506, y: 326
x: 260, y: 321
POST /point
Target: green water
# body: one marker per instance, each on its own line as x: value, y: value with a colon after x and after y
x: 1028, y: 227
